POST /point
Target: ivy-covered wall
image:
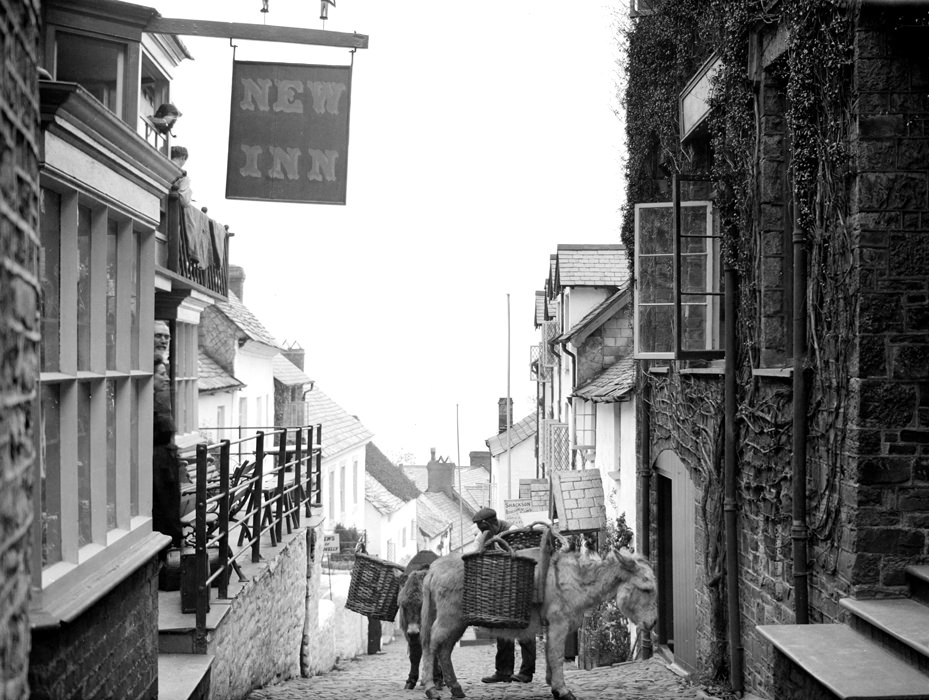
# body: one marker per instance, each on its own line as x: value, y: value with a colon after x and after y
x: 819, y: 131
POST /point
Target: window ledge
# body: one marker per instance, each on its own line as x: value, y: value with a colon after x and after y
x: 658, y: 370
x: 52, y: 608
x: 778, y: 372
x: 718, y: 371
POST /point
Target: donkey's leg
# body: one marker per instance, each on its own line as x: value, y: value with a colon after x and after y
x: 416, y: 655
x: 554, y: 654
x: 445, y: 659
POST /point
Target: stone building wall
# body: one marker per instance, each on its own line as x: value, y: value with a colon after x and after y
x: 19, y: 329
x: 109, y: 651
x: 891, y: 218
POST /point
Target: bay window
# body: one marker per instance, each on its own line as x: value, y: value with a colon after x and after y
x: 96, y: 271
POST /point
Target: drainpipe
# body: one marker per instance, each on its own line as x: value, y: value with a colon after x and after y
x: 729, y: 487
x: 798, y: 532
x: 644, y: 473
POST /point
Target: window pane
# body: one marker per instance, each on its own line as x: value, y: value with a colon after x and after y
x: 693, y: 331
x: 656, y: 280
x: 93, y: 63
x: 51, y: 474
x: 655, y: 230
x: 50, y: 275
x: 656, y: 324
x: 111, y: 238
x: 84, y: 394
x: 135, y: 297
x: 693, y: 274
x: 134, y: 393
x: 693, y: 223
x: 111, y: 454
x: 83, y: 289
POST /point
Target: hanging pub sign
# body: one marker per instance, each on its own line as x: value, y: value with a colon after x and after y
x: 288, y: 132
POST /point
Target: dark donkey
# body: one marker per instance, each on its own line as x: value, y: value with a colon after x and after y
x: 410, y: 599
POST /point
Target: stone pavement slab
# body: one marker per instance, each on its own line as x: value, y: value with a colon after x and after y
x: 381, y: 676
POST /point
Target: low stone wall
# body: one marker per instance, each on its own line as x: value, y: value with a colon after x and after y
x: 258, y: 641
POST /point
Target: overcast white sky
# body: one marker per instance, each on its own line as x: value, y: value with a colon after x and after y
x: 482, y: 135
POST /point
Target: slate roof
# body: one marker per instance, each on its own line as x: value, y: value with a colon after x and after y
x: 611, y: 384
x: 598, y: 315
x: 523, y: 430
x: 287, y: 373
x: 380, y: 498
x: 245, y: 320
x: 388, y: 474
x: 539, y: 308
x: 211, y: 377
x: 341, y: 431
x: 436, y: 511
x: 475, y: 487
x: 591, y: 265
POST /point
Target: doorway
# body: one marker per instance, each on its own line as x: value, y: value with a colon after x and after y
x: 676, y: 515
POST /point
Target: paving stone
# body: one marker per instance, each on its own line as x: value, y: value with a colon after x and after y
x: 381, y: 676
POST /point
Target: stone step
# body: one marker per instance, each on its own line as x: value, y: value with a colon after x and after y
x: 184, y: 676
x: 847, y: 663
x: 918, y: 577
x: 900, y: 625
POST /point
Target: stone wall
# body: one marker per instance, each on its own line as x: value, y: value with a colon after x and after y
x: 19, y: 329
x: 891, y: 148
x: 259, y: 640
x: 109, y: 651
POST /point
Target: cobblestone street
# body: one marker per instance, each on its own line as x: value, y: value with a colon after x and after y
x: 382, y: 675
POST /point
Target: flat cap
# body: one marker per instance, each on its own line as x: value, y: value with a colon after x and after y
x: 484, y: 514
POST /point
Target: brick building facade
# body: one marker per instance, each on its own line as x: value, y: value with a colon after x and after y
x: 19, y: 330
x: 861, y: 219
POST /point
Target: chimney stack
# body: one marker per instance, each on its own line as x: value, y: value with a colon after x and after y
x: 503, y: 423
x: 237, y: 281
x: 440, y: 475
x: 296, y: 354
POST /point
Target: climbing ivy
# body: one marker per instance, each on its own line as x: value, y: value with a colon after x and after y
x: 662, y: 52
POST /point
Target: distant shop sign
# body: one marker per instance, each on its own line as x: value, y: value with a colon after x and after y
x: 331, y: 543
x: 288, y: 132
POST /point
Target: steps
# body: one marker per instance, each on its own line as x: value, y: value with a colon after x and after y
x: 184, y: 676
x: 881, y: 653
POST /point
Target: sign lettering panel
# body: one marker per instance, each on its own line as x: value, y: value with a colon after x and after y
x: 288, y: 132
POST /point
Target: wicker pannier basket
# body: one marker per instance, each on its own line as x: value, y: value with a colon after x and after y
x: 498, y: 587
x: 374, y: 587
x: 528, y: 537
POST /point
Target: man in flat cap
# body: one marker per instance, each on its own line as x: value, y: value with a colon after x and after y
x: 490, y: 526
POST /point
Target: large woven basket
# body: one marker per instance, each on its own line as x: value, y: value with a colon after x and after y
x: 498, y: 587
x: 528, y: 537
x: 374, y: 587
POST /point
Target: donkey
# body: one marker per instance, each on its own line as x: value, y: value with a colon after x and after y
x: 410, y: 600
x: 575, y: 582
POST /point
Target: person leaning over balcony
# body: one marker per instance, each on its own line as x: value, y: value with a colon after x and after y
x: 179, y: 157
x: 490, y: 526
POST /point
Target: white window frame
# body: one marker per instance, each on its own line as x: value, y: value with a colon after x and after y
x: 116, y: 483
x: 679, y: 301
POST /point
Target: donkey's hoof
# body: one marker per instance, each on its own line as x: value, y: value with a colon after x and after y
x: 433, y: 694
x: 566, y: 695
x: 410, y: 684
x: 457, y: 692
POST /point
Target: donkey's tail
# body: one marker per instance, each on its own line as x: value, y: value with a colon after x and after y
x: 427, y: 613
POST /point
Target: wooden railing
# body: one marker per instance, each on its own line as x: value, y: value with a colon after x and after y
x: 214, y: 277
x: 239, y: 503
